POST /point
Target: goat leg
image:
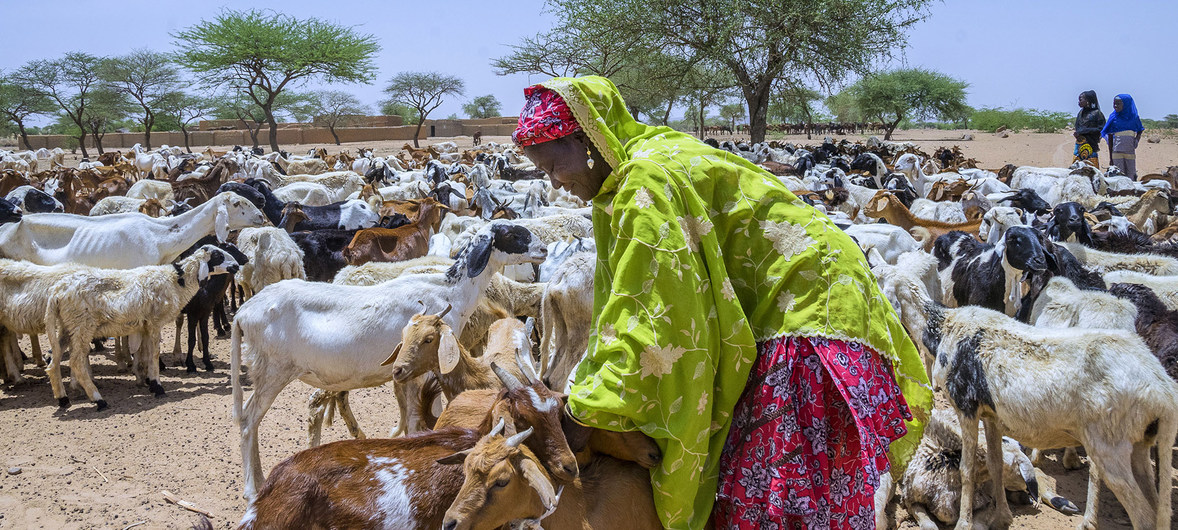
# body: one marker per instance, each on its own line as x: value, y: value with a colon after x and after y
x: 38, y: 358
x: 188, y: 362
x: 206, y: 359
x: 1001, y: 516
x: 345, y: 412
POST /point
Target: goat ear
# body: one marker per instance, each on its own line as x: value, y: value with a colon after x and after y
x: 479, y: 255
x: 454, y: 459
x: 221, y: 221
x: 392, y: 356
x: 203, y: 273
x: 448, y: 351
x: 539, y: 482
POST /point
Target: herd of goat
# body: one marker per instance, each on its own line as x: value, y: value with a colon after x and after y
x: 1044, y: 301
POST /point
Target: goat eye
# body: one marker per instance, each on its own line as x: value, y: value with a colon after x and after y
x: 501, y: 483
x: 428, y: 340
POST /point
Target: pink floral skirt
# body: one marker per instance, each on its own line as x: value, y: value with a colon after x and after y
x: 809, y: 437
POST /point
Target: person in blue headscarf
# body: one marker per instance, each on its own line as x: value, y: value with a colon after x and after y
x: 1123, y: 132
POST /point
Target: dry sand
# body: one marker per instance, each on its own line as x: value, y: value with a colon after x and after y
x: 85, y: 469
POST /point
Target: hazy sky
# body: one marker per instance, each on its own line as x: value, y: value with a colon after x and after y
x: 1028, y: 53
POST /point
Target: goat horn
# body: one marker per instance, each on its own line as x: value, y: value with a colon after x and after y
x: 498, y: 427
x: 507, y: 379
x: 444, y: 311
x: 519, y: 437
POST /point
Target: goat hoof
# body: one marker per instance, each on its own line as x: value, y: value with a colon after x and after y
x: 156, y: 388
x: 209, y: 367
x: 63, y: 402
x: 101, y: 405
x: 191, y: 368
x: 1064, y: 506
x: 222, y: 335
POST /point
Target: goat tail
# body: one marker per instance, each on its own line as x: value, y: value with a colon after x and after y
x: 921, y: 235
x: 235, y: 370
x: 1167, y: 432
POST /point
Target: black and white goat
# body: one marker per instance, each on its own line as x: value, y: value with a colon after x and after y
x: 1050, y: 388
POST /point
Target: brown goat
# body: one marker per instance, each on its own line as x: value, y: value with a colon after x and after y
x: 887, y: 206
x: 505, y: 483
x: 469, y: 409
x: 429, y: 345
x: 338, y: 485
x: 396, y: 244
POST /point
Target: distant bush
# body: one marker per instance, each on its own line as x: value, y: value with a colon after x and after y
x: 990, y: 120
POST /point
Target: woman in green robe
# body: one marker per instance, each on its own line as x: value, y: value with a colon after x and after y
x: 733, y: 323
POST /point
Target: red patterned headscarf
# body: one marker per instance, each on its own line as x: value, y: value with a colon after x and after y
x: 545, y: 117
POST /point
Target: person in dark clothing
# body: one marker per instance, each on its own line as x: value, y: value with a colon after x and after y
x: 1089, y: 123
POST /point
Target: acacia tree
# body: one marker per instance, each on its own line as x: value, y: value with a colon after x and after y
x: 145, y: 76
x: 68, y: 82
x: 107, y: 107
x: 913, y: 93
x: 732, y: 112
x: 19, y: 102
x: 757, y: 43
x: 261, y: 54
x: 335, y: 108
x: 423, y: 91
x: 184, y: 109
x: 487, y: 106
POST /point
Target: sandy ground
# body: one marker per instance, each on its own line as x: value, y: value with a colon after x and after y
x: 85, y: 469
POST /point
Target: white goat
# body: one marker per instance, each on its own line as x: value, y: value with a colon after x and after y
x: 317, y: 333
x: 1050, y: 388
x: 125, y: 240
x: 273, y: 257
x: 1103, y: 262
x: 89, y: 302
x: 1166, y: 287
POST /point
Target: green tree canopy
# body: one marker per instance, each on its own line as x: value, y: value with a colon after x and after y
x: 146, y: 77
x: 68, y: 82
x: 732, y: 112
x: 407, y: 113
x: 106, y: 111
x: 487, y: 106
x: 261, y: 54
x: 336, y: 108
x: 909, y: 94
x: 184, y: 109
x: 423, y: 92
x: 18, y: 102
x: 758, y: 44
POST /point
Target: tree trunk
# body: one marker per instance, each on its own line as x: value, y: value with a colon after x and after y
x: 148, y: 122
x: 82, y: 143
x: 333, y: 135
x: 417, y: 133
x: 890, y: 127
x: 98, y: 141
x: 24, y: 135
x: 702, y: 113
x: 184, y: 131
x: 667, y: 114
x: 758, y: 103
x: 273, y: 128
x: 254, y: 133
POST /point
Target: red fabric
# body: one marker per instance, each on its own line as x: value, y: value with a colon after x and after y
x: 809, y: 438
x: 545, y: 117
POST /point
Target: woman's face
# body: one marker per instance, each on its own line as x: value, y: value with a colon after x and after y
x: 1083, y: 102
x: 1118, y: 105
x: 565, y: 160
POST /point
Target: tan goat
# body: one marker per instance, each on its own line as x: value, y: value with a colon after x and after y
x: 505, y: 483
